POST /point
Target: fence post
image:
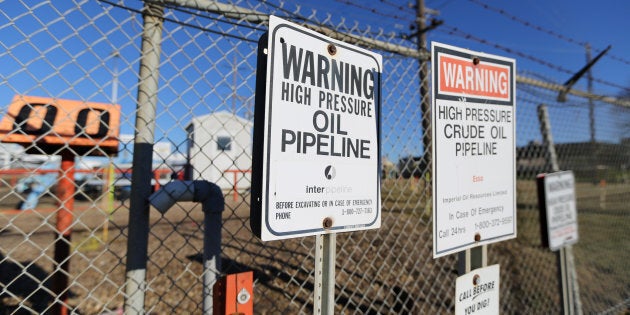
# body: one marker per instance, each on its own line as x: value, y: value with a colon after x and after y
x: 137, y: 240
x: 424, y: 86
x: 566, y: 265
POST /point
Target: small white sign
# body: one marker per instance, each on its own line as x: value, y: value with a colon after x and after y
x: 321, y: 155
x: 477, y: 292
x: 474, y: 152
x: 562, y: 227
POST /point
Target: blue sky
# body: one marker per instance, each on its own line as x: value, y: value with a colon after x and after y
x: 547, y: 40
x: 59, y: 51
x: 600, y: 23
x: 554, y: 32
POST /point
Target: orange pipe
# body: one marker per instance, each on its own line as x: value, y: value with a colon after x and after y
x: 65, y: 193
x: 235, y: 185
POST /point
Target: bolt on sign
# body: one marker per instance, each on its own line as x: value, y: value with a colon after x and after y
x: 477, y: 292
x: 44, y: 124
x: 473, y: 116
x: 558, y: 211
x: 316, y: 159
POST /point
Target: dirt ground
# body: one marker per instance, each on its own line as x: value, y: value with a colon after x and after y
x: 283, y: 270
x: 386, y: 271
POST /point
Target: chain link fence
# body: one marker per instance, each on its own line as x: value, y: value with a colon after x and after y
x: 91, y: 51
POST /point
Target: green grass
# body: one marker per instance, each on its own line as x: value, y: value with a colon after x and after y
x: 602, y: 258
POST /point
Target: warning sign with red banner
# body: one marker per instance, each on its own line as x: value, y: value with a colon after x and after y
x: 474, y: 160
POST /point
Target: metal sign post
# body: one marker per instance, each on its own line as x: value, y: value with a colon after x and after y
x: 472, y: 258
x: 474, y: 161
x: 325, y: 255
x: 316, y: 149
x: 566, y: 268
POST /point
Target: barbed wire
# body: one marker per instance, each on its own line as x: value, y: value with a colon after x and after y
x: 454, y: 31
x: 372, y: 10
x: 287, y: 12
x: 206, y: 16
x: 298, y: 17
x: 544, y: 30
x: 201, y: 28
x: 400, y: 7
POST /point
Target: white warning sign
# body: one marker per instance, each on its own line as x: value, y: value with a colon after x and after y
x: 558, y: 210
x: 321, y: 155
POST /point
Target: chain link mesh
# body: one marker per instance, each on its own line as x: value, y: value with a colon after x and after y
x: 90, y: 51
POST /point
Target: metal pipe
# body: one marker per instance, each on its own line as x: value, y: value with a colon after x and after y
x: 65, y: 192
x: 211, y: 198
x: 545, y: 130
x: 425, y: 102
x: 137, y: 242
x: 580, y: 93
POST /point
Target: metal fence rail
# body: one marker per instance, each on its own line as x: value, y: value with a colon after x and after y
x: 195, y: 122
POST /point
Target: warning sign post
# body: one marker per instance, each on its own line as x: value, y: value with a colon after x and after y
x: 316, y: 135
x: 473, y: 119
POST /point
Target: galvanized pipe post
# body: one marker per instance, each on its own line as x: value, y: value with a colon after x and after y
x: 137, y: 241
x: 325, y: 257
x: 471, y: 259
x: 425, y: 102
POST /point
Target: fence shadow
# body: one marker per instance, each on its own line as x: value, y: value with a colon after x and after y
x: 26, y: 281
